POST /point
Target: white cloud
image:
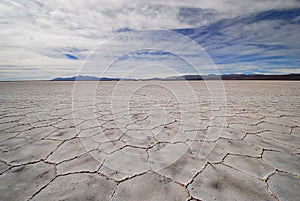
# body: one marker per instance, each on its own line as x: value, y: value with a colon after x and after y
x: 34, y: 33
x: 233, y: 7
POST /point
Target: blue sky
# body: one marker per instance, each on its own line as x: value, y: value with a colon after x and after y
x: 42, y: 39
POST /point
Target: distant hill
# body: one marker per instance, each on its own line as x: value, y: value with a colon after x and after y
x: 190, y: 77
x: 261, y: 77
x: 84, y: 78
x: 236, y: 77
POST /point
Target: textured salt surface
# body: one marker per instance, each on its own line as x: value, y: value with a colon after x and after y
x: 150, y: 141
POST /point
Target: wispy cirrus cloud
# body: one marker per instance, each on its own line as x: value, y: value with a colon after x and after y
x: 53, y: 38
x: 266, y: 39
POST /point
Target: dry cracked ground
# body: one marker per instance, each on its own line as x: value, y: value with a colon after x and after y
x: 232, y: 140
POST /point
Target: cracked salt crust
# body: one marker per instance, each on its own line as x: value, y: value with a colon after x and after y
x: 156, y: 147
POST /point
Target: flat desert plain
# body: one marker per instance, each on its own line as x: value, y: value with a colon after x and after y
x: 150, y: 140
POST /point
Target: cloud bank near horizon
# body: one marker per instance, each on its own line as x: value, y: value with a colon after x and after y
x: 46, y: 39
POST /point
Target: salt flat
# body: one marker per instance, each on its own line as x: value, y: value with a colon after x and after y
x: 231, y: 140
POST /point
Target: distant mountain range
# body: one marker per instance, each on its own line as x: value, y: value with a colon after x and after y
x: 190, y: 77
x: 84, y: 78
